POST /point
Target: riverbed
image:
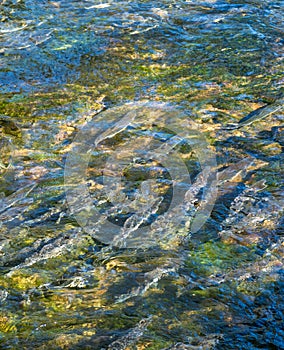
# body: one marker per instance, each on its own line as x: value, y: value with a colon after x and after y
x: 132, y: 215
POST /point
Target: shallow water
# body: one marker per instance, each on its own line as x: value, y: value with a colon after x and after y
x: 72, y: 67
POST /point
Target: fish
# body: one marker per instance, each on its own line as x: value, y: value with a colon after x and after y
x: 258, y: 114
x: 9, y: 127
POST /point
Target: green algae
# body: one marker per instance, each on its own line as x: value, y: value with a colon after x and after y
x: 71, y: 77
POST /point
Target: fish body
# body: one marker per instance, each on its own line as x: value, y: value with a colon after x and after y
x: 9, y: 127
x: 258, y: 114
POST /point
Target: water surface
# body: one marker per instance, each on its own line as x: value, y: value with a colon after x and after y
x: 62, y: 63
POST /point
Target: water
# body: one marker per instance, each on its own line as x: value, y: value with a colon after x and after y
x: 70, y: 65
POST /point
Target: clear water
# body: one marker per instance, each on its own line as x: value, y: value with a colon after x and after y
x: 66, y: 64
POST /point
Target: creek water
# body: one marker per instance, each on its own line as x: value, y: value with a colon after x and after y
x: 123, y: 107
